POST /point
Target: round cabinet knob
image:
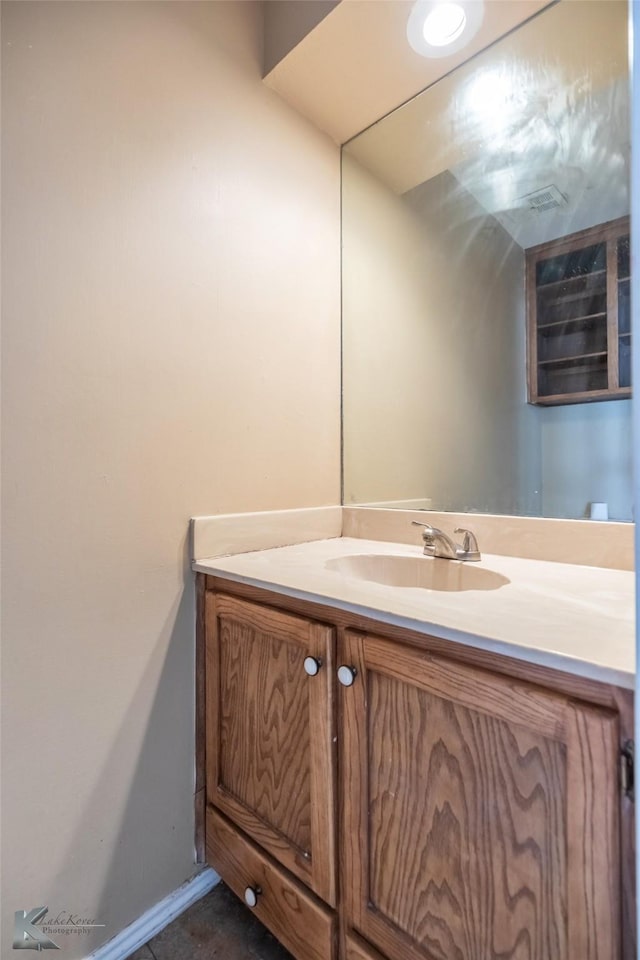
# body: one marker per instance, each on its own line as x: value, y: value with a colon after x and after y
x: 312, y: 665
x: 251, y: 896
x: 346, y: 675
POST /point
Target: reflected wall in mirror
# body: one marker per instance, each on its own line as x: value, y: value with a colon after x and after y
x: 526, y: 143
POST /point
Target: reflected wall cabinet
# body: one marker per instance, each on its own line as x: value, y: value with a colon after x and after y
x: 579, y: 316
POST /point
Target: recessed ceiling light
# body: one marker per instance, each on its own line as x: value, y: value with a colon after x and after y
x: 438, y: 28
x: 444, y: 24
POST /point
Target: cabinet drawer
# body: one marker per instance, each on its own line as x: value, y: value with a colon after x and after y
x: 300, y: 923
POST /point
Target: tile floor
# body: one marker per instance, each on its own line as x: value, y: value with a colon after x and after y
x: 219, y: 926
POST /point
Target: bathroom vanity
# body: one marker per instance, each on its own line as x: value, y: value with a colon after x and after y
x: 404, y: 757
x: 378, y: 781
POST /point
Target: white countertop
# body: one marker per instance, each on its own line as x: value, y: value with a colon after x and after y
x: 573, y: 618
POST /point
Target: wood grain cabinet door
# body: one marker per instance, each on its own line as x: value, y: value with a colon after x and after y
x: 480, y: 814
x: 270, y: 733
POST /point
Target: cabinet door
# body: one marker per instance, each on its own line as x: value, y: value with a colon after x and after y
x: 270, y: 733
x: 480, y: 814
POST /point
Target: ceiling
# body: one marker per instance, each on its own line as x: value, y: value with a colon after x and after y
x: 548, y: 106
x: 355, y: 65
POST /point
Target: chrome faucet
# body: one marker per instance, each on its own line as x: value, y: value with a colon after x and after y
x: 438, y: 544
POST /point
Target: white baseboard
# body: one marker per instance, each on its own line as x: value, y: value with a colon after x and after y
x: 156, y: 918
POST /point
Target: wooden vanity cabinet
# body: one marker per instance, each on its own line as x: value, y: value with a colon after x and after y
x: 480, y: 810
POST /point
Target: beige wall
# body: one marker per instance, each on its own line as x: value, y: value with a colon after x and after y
x: 171, y: 347
x: 434, y: 352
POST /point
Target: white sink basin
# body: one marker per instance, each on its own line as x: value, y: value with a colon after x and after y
x: 423, y: 573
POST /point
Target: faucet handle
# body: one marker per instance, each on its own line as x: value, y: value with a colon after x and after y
x: 469, y: 542
x: 430, y: 531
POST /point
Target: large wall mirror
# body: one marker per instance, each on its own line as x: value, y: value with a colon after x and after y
x: 443, y: 202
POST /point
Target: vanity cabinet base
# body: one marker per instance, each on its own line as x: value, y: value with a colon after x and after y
x: 480, y: 810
